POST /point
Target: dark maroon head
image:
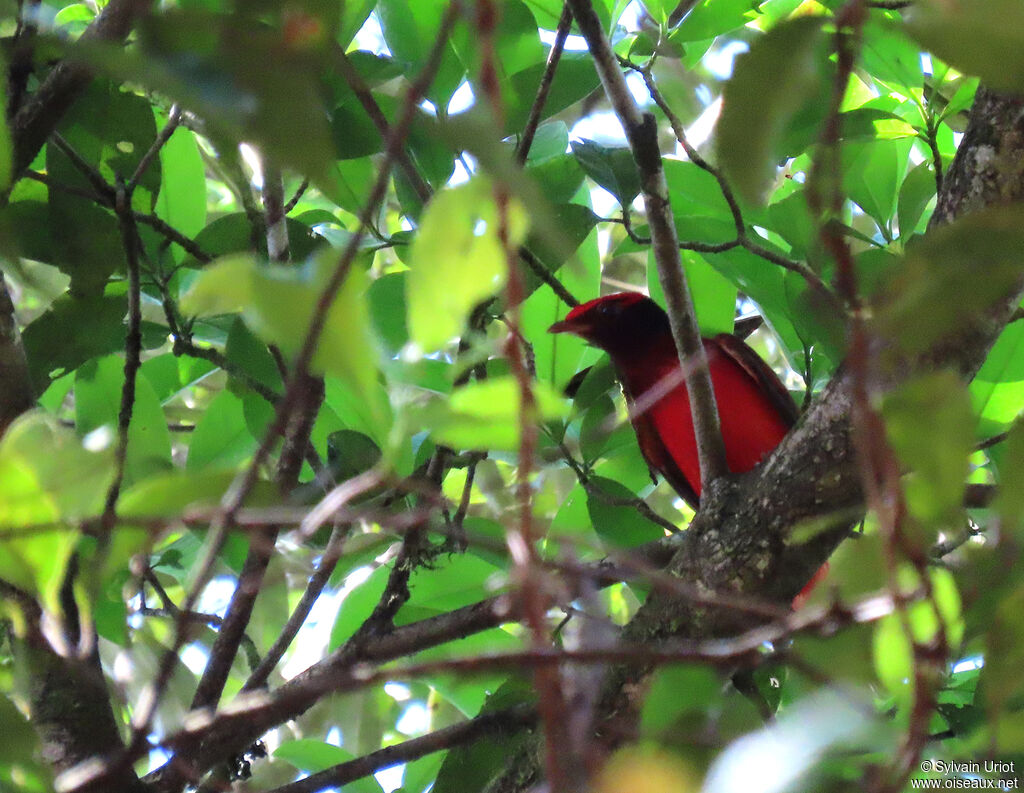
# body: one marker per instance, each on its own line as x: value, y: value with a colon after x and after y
x: 620, y: 324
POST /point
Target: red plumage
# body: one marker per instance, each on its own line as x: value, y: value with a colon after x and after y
x: 755, y: 409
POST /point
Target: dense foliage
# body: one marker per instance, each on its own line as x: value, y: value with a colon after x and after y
x: 286, y: 443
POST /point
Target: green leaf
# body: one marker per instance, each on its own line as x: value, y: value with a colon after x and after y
x: 930, y: 425
x: 232, y: 233
x: 278, y: 304
x: 471, y: 767
x: 872, y: 174
x: 457, y: 260
x: 485, y: 415
x: 86, y: 240
x: 984, y: 39
x: 551, y: 141
x: 659, y: 9
x: 574, y: 223
x: 99, y: 328
x: 356, y: 136
x: 98, y: 386
x: 462, y: 581
x: 612, y: 168
x: 311, y: 756
x: 997, y: 391
x: 49, y: 481
x: 112, y: 129
x: 714, y: 296
x: 950, y: 275
x: 558, y: 178
x: 358, y: 605
x: 182, y: 198
x: 917, y: 192
x: 891, y: 57
x: 388, y: 310
x: 574, y: 79
x: 619, y: 526
x: 221, y: 438
x: 350, y: 453
x: 354, y: 14
x: 410, y: 31
x: 694, y: 191
x: 248, y: 353
x: 710, y: 18
x: 782, y: 71
x: 677, y: 691
x: 893, y: 651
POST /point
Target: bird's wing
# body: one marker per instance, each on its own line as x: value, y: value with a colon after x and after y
x: 660, y: 459
x: 756, y: 368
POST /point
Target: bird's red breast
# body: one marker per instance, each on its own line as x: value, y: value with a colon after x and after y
x: 755, y: 409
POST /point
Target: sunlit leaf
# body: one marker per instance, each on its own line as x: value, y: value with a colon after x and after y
x: 311, y: 756
x: 485, y: 415
x: 279, y: 303
x: 48, y: 481
x: 457, y: 260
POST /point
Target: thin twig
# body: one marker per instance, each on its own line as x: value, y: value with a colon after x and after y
x: 593, y: 490
x: 931, y: 138
x: 92, y: 176
x: 544, y: 274
x: 294, y: 200
x: 419, y: 184
x: 132, y: 353
x: 380, y: 122
x: 537, y: 108
x: 314, y: 587
x: 509, y: 720
x: 173, y: 119
x: 40, y: 113
x: 262, y: 542
x: 187, y: 244
x: 185, y: 346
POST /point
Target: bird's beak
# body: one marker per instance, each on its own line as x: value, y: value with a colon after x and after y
x: 565, y: 326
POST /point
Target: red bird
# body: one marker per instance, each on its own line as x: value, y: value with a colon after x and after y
x: 755, y: 409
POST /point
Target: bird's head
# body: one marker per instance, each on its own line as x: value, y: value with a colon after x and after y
x: 616, y: 323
